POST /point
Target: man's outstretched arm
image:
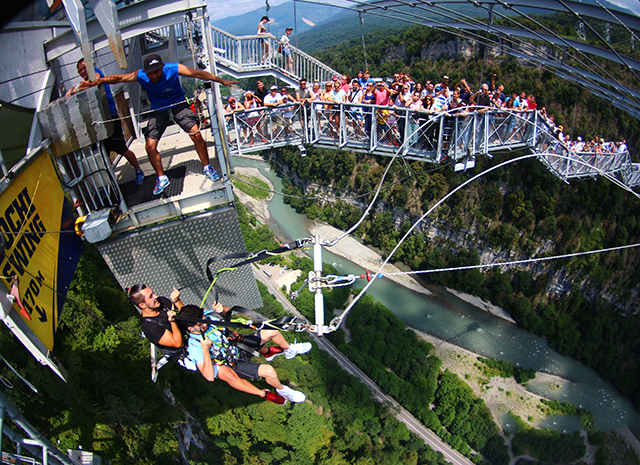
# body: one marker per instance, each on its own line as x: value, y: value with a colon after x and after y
x: 204, y: 75
x: 112, y: 79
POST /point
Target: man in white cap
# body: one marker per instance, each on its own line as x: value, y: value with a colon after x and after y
x: 286, y: 48
x: 162, y: 83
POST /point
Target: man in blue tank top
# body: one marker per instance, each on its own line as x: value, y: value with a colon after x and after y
x: 162, y: 83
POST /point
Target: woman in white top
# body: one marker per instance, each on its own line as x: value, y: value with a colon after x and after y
x: 414, y: 119
x: 316, y: 96
x: 286, y: 49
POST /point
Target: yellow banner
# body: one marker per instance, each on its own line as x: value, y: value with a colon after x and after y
x: 41, y: 246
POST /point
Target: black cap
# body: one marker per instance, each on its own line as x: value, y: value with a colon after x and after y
x: 152, y: 63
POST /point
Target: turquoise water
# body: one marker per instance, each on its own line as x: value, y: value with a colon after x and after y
x: 447, y: 317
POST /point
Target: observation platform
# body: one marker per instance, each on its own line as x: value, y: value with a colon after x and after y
x: 457, y: 137
x: 190, y: 191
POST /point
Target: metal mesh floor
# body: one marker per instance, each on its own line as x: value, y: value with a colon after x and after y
x: 181, y: 164
x: 176, y: 253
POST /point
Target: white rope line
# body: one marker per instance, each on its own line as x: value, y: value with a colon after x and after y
x: 335, y: 240
x: 335, y: 323
x: 514, y: 262
x: 166, y: 107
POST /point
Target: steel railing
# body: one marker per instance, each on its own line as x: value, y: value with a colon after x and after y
x: 255, y: 52
x: 458, y: 135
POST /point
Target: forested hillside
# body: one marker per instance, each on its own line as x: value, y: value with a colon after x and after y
x: 110, y: 405
x: 586, y: 306
x: 428, y: 54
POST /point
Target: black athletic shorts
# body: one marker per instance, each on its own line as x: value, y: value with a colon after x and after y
x: 252, y: 340
x: 159, y: 120
x: 246, y: 370
x: 116, y: 142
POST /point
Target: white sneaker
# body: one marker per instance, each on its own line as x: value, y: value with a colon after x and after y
x: 297, y: 348
x: 293, y: 396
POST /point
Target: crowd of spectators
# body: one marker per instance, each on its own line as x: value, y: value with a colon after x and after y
x: 400, y: 94
x: 596, y: 145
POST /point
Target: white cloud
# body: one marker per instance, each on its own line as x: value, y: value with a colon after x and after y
x: 633, y: 5
x: 219, y: 9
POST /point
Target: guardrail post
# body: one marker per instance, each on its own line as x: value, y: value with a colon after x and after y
x: 374, y: 129
x: 216, y: 112
x: 440, y: 131
x: 454, y: 138
x: 238, y: 140
x: 485, y: 117
x: 406, y: 133
x: 342, y: 130
x: 534, y: 142
x: 318, y: 297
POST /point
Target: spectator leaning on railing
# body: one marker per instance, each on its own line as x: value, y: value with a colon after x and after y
x: 403, y: 93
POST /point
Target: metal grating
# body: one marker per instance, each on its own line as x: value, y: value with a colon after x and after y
x: 69, y: 122
x: 176, y: 253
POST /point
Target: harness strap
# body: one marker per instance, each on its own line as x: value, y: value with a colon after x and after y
x: 285, y: 323
x: 174, y: 354
x: 251, y: 257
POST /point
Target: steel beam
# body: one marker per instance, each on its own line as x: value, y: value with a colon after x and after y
x: 133, y: 20
x: 75, y: 13
x: 564, y: 6
x: 49, y: 451
x: 107, y: 15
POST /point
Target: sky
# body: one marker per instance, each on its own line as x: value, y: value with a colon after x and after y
x: 219, y: 9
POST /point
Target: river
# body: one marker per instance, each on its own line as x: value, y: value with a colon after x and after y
x: 445, y: 316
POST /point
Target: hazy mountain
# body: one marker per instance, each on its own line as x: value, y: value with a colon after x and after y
x: 281, y: 17
x: 333, y: 25
x: 346, y: 25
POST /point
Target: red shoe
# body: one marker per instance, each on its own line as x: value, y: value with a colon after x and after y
x: 273, y: 397
x: 273, y: 352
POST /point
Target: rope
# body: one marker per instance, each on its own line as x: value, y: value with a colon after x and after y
x: 335, y: 240
x: 335, y: 323
x: 250, y: 257
x: 166, y: 107
x: 279, y: 324
x: 513, y: 262
x: 364, y: 48
x: 10, y: 386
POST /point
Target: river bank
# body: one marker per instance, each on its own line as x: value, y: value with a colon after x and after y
x: 501, y: 395
x: 450, y: 354
x: 352, y: 250
x: 259, y: 208
x: 347, y: 248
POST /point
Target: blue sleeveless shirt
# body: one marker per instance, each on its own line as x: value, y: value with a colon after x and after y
x: 167, y: 91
